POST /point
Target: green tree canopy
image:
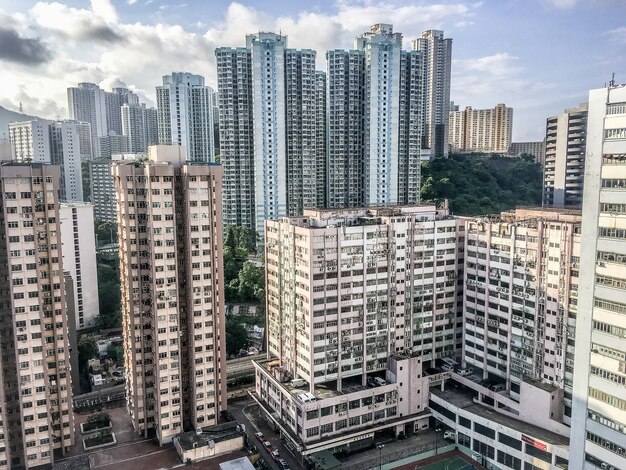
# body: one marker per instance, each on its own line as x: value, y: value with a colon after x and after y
x: 236, y: 336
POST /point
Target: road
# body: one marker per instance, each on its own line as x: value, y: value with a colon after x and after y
x: 247, y: 412
x: 242, y: 365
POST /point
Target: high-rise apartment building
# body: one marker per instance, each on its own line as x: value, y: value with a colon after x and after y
x: 170, y: 237
x: 357, y: 298
x: 481, y: 130
x: 438, y: 59
x: 598, y: 439
x: 79, y: 259
x: 375, y: 102
x: 139, y: 125
x: 536, y: 149
x: 30, y: 141
x: 185, y: 115
x: 102, y: 190
x: 114, y: 100
x: 268, y: 128
x: 320, y: 139
x: 63, y: 143
x: 521, y: 287
x: 564, y: 165
x: 36, y: 395
x: 70, y: 143
x: 87, y: 103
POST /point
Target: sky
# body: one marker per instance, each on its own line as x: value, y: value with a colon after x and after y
x: 537, y: 56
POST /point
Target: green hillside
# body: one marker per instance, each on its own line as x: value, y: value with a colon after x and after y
x: 481, y: 184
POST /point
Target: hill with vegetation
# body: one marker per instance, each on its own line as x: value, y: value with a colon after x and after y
x: 482, y: 184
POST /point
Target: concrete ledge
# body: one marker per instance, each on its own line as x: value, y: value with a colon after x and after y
x: 91, y: 431
x: 108, y: 444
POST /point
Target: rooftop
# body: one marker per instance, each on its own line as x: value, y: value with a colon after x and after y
x: 242, y: 463
x: 464, y: 399
x: 218, y: 433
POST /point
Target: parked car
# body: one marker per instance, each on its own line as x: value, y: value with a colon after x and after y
x: 465, y: 372
x: 275, y: 455
x: 451, y: 435
x: 268, y: 446
x: 371, y: 382
x: 447, y: 367
x: 259, y: 436
x: 283, y: 464
x: 497, y: 387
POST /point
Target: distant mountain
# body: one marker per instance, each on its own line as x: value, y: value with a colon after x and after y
x: 7, y: 116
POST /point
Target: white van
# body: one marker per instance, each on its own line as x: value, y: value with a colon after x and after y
x: 380, y: 381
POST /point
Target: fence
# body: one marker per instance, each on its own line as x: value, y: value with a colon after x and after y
x: 388, y: 457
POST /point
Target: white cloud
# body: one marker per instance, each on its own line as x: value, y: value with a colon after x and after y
x: 562, y: 4
x: 618, y: 34
x: 94, y: 44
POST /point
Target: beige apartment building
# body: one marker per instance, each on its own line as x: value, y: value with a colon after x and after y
x: 170, y: 237
x: 481, y: 130
x: 358, y: 302
x: 521, y: 290
x: 36, y: 417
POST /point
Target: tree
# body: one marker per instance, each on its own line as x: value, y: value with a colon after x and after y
x: 87, y: 349
x: 106, y: 232
x: 236, y: 336
x: 251, y: 286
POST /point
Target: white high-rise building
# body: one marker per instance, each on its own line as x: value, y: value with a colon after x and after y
x: 63, y: 143
x: 30, y: 141
x: 598, y: 439
x: 79, y: 259
x: 438, y: 58
x: 375, y: 102
x: 70, y: 143
x: 185, y: 115
x: 564, y: 163
x: 268, y: 126
x: 139, y: 125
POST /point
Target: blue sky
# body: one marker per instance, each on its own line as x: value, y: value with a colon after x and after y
x: 538, y: 56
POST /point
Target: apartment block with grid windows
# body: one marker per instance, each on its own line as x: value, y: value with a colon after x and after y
x: 36, y: 396
x: 598, y: 438
x: 358, y: 301
x: 170, y: 237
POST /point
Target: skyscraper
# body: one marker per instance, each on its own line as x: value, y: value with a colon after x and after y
x: 63, y: 143
x: 79, y: 259
x: 139, y: 125
x: 36, y: 394
x: 375, y: 95
x: 438, y: 58
x: 320, y: 139
x: 101, y: 109
x: 185, y: 115
x: 481, y: 130
x: 269, y: 155
x: 70, y: 143
x: 564, y: 164
x: 354, y: 308
x: 599, y: 417
x: 170, y: 237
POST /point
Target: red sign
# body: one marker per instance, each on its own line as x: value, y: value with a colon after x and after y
x: 534, y: 443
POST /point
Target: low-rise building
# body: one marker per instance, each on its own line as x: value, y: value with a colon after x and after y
x: 211, y: 441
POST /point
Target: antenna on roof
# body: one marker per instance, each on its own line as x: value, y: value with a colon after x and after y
x: 22, y: 111
x: 611, y: 83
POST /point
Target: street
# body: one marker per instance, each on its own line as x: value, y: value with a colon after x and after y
x: 246, y: 412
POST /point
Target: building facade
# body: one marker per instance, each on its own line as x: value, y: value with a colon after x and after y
x: 536, y: 149
x: 268, y: 128
x: 598, y: 437
x: 521, y: 289
x: 564, y: 165
x: 79, y: 259
x: 185, y: 115
x: 481, y: 130
x: 170, y: 237
x: 376, y: 98
x: 321, y: 165
x: 437, y: 52
x: 70, y: 143
x: 36, y: 393
x: 355, y: 297
x: 30, y: 141
x: 139, y: 125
